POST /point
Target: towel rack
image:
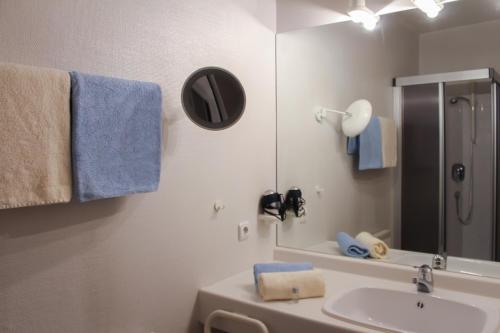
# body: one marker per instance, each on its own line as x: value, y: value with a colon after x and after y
x: 260, y: 326
x: 322, y: 112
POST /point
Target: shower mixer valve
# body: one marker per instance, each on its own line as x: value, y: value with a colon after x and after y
x: 458, y: 172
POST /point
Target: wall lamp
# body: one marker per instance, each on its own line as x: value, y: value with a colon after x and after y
x: 354, y: 120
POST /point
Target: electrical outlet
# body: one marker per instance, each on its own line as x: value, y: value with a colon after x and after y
x: 243, y: 231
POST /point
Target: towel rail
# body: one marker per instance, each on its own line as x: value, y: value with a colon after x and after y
x: 383, y: 234
x: 260, y: 326
x: 322, y: 112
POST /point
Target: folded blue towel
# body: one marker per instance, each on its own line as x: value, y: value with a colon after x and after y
x: 116, y: 136
x: 351, y: 247
x: 280, y: 267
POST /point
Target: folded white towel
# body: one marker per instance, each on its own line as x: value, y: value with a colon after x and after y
x: 291, y: 285
x: 378, y: 248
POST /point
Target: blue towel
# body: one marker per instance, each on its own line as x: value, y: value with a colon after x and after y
x: 116, y: 136
x: 370, y: 146
x: 353, y: 145
x: 351, y: 247
x: 280, y: 267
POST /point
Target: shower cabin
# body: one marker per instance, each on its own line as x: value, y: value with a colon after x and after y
x: 449, y: 155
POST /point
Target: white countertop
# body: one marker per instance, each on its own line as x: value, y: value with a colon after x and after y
x: 240, y: 288
x: 237, y: 294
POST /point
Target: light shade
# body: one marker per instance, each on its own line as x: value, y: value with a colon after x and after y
x: 429, y: 7
x: 357, y: 117
x: 359, y: 13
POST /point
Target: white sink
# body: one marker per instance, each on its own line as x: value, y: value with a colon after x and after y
x: 404, y: 311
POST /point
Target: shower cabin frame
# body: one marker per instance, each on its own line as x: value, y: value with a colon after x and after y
x: 484, y: 75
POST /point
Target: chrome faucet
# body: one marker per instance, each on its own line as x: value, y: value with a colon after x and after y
x: 424, y: 279
x: 439, y: 261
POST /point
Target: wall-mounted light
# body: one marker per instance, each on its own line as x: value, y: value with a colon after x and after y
x: 429, y: 7
x: 359, y: 13
x: 354, y: 120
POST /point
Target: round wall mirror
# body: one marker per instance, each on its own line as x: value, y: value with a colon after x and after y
x: 213, y: 98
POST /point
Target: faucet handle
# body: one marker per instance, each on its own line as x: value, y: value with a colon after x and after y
x: 425, y: 273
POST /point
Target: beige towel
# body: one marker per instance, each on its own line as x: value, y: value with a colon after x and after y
x: 378, y: 248
x: 35, y: 167
x: 291, y: 285
x: 389, y: 142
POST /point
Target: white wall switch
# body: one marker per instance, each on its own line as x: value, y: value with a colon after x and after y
x: 243, y: 231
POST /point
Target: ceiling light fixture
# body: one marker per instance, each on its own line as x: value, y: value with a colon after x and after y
x: 429, y: 7
x: 359, y: 13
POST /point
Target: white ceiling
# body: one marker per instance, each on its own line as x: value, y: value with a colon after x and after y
x: 454, y: 14
x: 300, y: 14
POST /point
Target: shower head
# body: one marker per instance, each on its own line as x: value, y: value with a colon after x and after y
x: 472, y: 106
x: 454, y: 100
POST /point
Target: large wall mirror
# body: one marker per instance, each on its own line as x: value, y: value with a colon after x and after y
x: 437, y: 80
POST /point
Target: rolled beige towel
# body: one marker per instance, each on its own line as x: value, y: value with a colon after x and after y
x: 377, y: 247
x: 291, y: 285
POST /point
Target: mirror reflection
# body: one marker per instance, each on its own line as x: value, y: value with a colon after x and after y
x: 422, y: 176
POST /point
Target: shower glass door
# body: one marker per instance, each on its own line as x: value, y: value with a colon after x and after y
x: 449, y: 168
x: 469, y: 170
x: 420, y: 180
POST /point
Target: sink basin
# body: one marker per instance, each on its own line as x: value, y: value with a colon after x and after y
x: 404, y: 311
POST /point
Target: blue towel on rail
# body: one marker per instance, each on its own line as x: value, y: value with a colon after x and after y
x: 280, y: 267
x: 353, y: 145
x: 351, y: 247
x: 368, y: 146
x: 116, y: 136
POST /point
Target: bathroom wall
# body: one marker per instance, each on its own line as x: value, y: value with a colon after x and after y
x: 134, y: 264
x: 332, y: 66
x: 467, y: 47
x: 300, y: 14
